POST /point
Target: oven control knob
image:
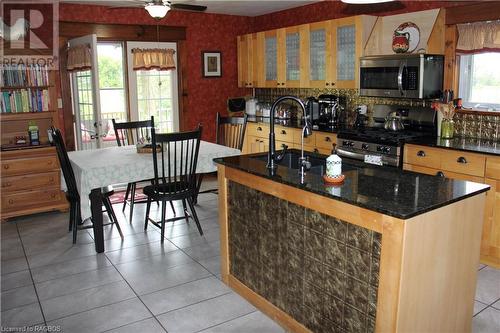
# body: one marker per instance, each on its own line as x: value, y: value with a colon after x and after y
x: 386, y: 150
x: 365, y: 146
x: 345, y: 143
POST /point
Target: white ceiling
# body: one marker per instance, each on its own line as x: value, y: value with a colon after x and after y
x: 231, y: 7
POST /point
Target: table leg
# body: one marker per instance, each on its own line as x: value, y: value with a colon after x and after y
x: 96, y: 208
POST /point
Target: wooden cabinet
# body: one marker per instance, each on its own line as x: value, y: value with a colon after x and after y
x: 246, y: 60
x: 474, y: 167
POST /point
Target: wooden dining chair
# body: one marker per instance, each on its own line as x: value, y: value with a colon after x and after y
x: 229, y: 132
x: 132, y: 133
x: 175, y: 175
x: 75, y: 220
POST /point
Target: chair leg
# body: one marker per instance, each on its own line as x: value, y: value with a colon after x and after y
x: 71, y: 215
x: 115, y: 220
x: 172, y: 206
x: 163, y: 215
x: 109, y: 209
x: 126, y: 197
x: 185, y: 210
x: 132, y: 200
x: 195, y: 216
x: 148, y: 207
x: 76, y: 220
x: 198, y: 186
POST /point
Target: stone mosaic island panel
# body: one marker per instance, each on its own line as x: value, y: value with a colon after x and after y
x: 320, y: 270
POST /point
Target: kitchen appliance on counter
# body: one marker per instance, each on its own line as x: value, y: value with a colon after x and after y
x: 402, y: 76
x: 379, y: 146
x: 330, y: 110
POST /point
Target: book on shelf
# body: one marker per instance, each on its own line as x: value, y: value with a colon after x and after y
x: 25, y: 100
x: 25, y: 75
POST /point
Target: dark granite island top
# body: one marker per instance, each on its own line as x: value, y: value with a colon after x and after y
x: 472, y: 145
x: 390, y: 191
x: 387, y: 251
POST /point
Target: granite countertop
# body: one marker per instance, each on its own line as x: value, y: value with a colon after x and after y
x: 465, y: 144
x: 293, y: 123
x: 387, y: 190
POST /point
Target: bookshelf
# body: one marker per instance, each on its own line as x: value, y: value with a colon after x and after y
x: 30, y: 176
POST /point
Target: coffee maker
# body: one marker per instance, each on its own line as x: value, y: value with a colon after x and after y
x: 331, y: 108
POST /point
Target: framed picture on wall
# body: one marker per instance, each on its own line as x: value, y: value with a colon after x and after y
x: 212, y: 64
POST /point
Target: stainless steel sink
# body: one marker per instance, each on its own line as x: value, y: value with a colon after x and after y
x: 291, y: 160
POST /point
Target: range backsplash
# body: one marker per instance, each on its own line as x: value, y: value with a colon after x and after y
x: 467, y: 125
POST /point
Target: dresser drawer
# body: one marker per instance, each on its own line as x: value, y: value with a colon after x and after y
x: 325, y: 140
x: 30, y: 182
x: 493, y: 167
x: 258, y: 130
x: 462, y: 162
x: 284, y: 134
x: 424, y: 156
x: 447, y: 174
x: 29, y: 165
x: 29, y: 199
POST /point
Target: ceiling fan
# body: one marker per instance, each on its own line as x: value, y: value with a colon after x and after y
x: 159, y: 8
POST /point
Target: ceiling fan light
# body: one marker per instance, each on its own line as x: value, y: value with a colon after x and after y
x: 157, y: 11
x: 364, y: 2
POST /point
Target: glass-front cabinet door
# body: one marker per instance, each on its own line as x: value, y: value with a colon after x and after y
x: 320, y: 73
x: 347, y: 52
x: 292, y: 57
x: 271, y: 58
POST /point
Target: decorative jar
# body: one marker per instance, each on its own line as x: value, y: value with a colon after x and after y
x: 447, y: 128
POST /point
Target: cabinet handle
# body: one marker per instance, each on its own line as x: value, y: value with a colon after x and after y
x: 440, y: 174
x: 53, y: 195
x: 316, y: 150
x: 327, y: 139
x: 333, y: 83
x: 11, y: 201
x: 8, y: 184
x: 49, y: 162
x: 283, y: 132
x: 259, y: 128
x: 462, y: 160
x: 6, y: 166
x: 327, y: 84
x: 421, y: 153
x: 51, y: 179
x: 284, y: 146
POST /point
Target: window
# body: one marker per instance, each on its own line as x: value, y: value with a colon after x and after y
x: 479, y: 82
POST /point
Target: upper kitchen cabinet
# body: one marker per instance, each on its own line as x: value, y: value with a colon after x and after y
x: 270, y: 56
x: 318, y: 42
x: 246, y: 61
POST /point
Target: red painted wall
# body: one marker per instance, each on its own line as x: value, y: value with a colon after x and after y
x: 327, y: 10
x: 212, y: 32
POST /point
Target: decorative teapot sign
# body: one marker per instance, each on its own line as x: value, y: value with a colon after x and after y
x: 406, y: 38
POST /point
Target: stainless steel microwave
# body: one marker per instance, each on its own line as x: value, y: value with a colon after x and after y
x: 402, y: 76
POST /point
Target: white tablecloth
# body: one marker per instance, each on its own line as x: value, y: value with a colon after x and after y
x: 119, y: 165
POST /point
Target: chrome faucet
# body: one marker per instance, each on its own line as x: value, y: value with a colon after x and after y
x: 304, y: 163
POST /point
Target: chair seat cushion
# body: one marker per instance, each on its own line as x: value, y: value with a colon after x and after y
x: 168, y: 190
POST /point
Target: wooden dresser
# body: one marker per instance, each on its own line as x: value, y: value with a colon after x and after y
x: 30, y: 182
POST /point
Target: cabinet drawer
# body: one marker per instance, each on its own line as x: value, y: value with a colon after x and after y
x: 309, y: 141
x: 29, y: 199
x: 29, y: 165
x: 444, y: 173
x: 462, y: 162
x: 325, y: 140
x: 424, y: 156
x: 284, y: 134
x: 259, y: 130
x: 493, y: 167
x: 29, y: 182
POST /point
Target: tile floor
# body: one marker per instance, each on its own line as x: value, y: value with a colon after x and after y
x: 139, y: 285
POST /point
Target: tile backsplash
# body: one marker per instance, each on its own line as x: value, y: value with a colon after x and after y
x: 466, y: 125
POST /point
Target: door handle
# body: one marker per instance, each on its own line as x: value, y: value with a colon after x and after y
x: 400, y: 77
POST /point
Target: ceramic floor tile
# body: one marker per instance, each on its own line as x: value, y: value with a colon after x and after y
x: 37, y: 243
x: 141, y: 251
x: 488, y: 321
x: 147, y: 276
x: 69, y: 253
x: 88, y: 299
x: 496, y: 305
x: 17, y: 297
x: 203, y: 251
x: 150, y: 325
x: 74, y: 283
x: 8, y: 230
x: 253, y: 322
x: 132, y: 240
x: 104, y: 318
x: 11, y: 248
x: 488, y: 285
x: 181, y: 228
x: 203, y: 315
x: 211, y: 264
x: 14, y: 265
x: 22, y: 316
x: 190, y: 240
x: 76, y: 266
x: 478, y: 307
x: 15, y: 280
x: 183, y: 295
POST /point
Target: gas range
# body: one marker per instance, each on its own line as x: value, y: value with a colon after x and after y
x: 376, y: 145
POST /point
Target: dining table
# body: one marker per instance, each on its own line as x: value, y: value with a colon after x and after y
x: 101, y: 167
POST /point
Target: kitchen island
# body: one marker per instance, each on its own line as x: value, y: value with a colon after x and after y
x: 385, y: 251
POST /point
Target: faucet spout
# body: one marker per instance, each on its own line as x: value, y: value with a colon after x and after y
x: 272, y: 157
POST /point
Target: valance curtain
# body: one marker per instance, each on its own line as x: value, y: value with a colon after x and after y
x: 79, y: 58
x: 149, y: 59
x: 478, y: 37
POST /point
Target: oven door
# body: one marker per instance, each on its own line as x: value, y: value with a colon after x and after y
x: 396, y: 77
x: 360, y: 155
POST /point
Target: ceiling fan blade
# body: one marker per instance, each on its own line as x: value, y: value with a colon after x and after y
x: 194, y: 8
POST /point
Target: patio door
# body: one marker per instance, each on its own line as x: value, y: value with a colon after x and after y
x: 86, y: 103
